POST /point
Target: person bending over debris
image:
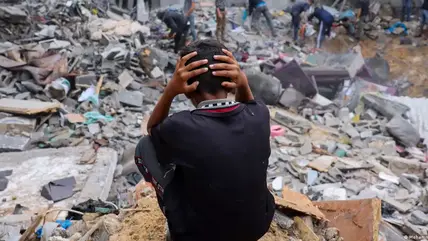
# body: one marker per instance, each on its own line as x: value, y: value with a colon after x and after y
x: 259, y: 7
x: 424, y: 17
x: 362, y: 15
x: 209, y: 165
x: 176, y: 21
x: 326, y: 21
x: 221, y: 19
x: 296, y: 10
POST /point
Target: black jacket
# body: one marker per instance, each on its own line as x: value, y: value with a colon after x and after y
x: 253, y: 4
x: 173, y: 19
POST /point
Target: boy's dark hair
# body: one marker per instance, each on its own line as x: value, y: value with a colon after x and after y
x: 206, y: 49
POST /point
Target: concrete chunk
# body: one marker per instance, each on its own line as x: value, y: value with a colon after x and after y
x: 131, y: 98
x: 13, y: 143
x: 125, y: 79
x: 418, y: 218
x: 351, y: 131
x: 401, y: 207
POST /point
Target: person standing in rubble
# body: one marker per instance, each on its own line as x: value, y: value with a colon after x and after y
x: 362, y: 15
x: 208, y: 165
x: 188, y: 8
x: 259, y: 7
x: 326, y: 22
x: 424, y: 17
x: 176, y: 21
x: 406, y: 10
x: 220, y: 6
x: 296, y: 10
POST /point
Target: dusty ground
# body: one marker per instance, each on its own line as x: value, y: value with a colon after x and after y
x: 145, y: 225
x: 404, y: 60
x: 149, y: 224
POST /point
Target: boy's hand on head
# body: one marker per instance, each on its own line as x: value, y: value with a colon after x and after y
x: 229, y: 69
x: 178, y: 84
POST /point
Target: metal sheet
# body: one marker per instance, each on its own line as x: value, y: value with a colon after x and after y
x: 292, y: 73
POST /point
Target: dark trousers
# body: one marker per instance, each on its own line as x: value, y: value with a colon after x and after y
x: 180, y: 37
x: 256, y: 18
x: 406, y: 10
x: 160, y: 176
x: 295, y: 20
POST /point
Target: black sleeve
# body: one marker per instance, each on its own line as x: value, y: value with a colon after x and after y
x: 169, y: 21
x: 311, y: 17
x: 164, y: 136
x: 162, y: 140
x: 250, y: 8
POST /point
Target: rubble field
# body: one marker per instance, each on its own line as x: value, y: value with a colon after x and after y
x: 79, y: 80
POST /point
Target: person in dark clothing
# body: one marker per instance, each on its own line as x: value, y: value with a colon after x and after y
x: 259, y: 7
x: 176, y: 21
x: 296, y: 10
x: 211, y: 162
x: 362, y: 15
x: 326, y: 21
x: 406, y: 10
x: 424, y: 16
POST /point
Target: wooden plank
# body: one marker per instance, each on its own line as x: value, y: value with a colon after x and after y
x: 27, y: 107
x: 298, y: 202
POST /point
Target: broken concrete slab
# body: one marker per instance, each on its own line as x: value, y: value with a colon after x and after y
x: 292, y: 121
x: 263, y: 86
x: 125, y: 79
x: 20, y: 123
x: 322, y: 163
x: 291, y: 98
x: 298, y: 202
x: 13, y: 14
x: 131, y: 98
x: 30, y: 174
x: 357, y: 220
x: 13, y: 143
x: 401, y: 207
x: 351, y: 131
x: 293, y: 74
x: 418, y: 218
x: 27, y: 107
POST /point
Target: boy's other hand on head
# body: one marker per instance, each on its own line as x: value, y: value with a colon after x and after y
x: 229, y: 69
x: 178, y: 84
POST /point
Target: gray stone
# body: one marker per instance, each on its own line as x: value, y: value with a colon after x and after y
x: 12, y: 14
x: 32, y: 87
x: 291, y: 98
x: 406, y: 183
x: 358, y: 143
x: 131, y: 98
x: 354, y: 186
x: 3, y: 183
x: 366, y: 134
x: 351, y: 131
x: 157, y: 73
x: 331, y: 233
x: 369, y: 114
x: 150, y: 95
x: 263, y: 86
x: 331, y: 121
x: 306, y: 148
x: 8, y: 91
x: 344, y: 114
x: 87, y: 80
x: 401, y: 207
x: 13, y: 143
x: 21, y: 124
x: 125, y: 79
x: 94, y: 128
x: 23, y: 96
x: 418, y: 218
x: 282, y: 220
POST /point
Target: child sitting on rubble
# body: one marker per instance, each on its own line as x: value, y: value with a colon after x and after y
x: 209, y: 165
